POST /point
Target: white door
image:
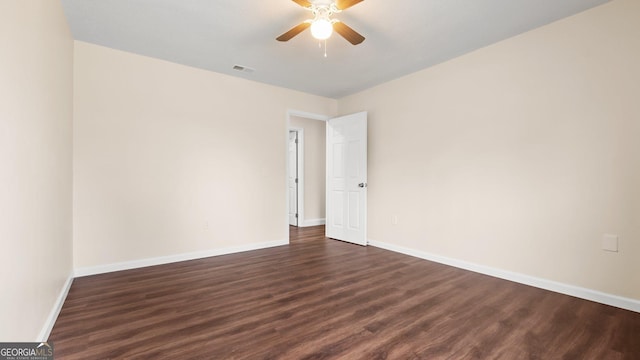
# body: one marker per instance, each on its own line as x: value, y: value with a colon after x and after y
x: 346, y: 202
x: 293, y: 178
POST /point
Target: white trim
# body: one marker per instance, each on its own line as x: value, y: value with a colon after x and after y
x: 55, y: 311
x: 300, y: 158
x: 307, y: 115
x: 313, y: 222
x: 300, y: 164
x: 572, y: 290
x: 101, y: 269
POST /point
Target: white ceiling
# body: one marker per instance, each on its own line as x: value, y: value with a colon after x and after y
x: 402, y: 36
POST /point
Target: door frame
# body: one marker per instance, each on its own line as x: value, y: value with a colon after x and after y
x: 299, y: 174
x: 306, y: 115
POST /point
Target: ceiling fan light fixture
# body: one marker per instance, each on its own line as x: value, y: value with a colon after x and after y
x: 322, y: 25
x: 321, y: 29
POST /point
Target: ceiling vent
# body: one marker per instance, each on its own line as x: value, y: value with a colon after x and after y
x: 243, y: 69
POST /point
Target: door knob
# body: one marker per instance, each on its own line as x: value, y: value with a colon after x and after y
x: 362, y: 185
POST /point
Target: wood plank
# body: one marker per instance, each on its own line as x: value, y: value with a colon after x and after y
x: 324, y: 299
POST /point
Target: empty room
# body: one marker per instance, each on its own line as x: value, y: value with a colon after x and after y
x: 320, y: 179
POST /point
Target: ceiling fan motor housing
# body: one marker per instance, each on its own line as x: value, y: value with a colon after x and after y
x: 326, y: 3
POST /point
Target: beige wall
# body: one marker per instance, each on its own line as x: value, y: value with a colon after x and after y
x: 170, y: 159
x: 519, y: 156
x: 314, y: 166
x: 36, y: 60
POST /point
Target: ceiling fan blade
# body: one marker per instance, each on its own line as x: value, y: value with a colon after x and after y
x: 348, y: 33
x: 294, y: 31
x: 303, y: 3
x: 345, y: 4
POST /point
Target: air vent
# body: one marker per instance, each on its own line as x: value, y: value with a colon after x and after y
x: 243, y: 69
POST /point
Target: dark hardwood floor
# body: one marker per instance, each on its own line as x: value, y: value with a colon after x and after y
x: 325, y: 299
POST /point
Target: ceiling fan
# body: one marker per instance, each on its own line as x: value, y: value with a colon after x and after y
x: 322, y: 26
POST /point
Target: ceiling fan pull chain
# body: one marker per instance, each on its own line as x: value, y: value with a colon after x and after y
x: 325, y: 47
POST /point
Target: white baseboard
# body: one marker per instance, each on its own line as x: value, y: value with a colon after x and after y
x: 576, y: 291
x: 101, y: 269
x: 55, y: 311
x: 312, y: 222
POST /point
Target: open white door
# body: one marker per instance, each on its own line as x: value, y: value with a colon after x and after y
x: 346, y: 202
x: 293, y: 178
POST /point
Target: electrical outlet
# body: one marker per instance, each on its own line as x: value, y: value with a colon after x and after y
x: 394, y: 219
x: 610, y: 242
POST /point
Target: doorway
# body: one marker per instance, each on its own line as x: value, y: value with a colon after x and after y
x: 343, y: 189
x: 309, y: 168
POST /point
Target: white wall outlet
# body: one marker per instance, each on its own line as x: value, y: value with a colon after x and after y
x: 394, y: 219
x: 610, y: 242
